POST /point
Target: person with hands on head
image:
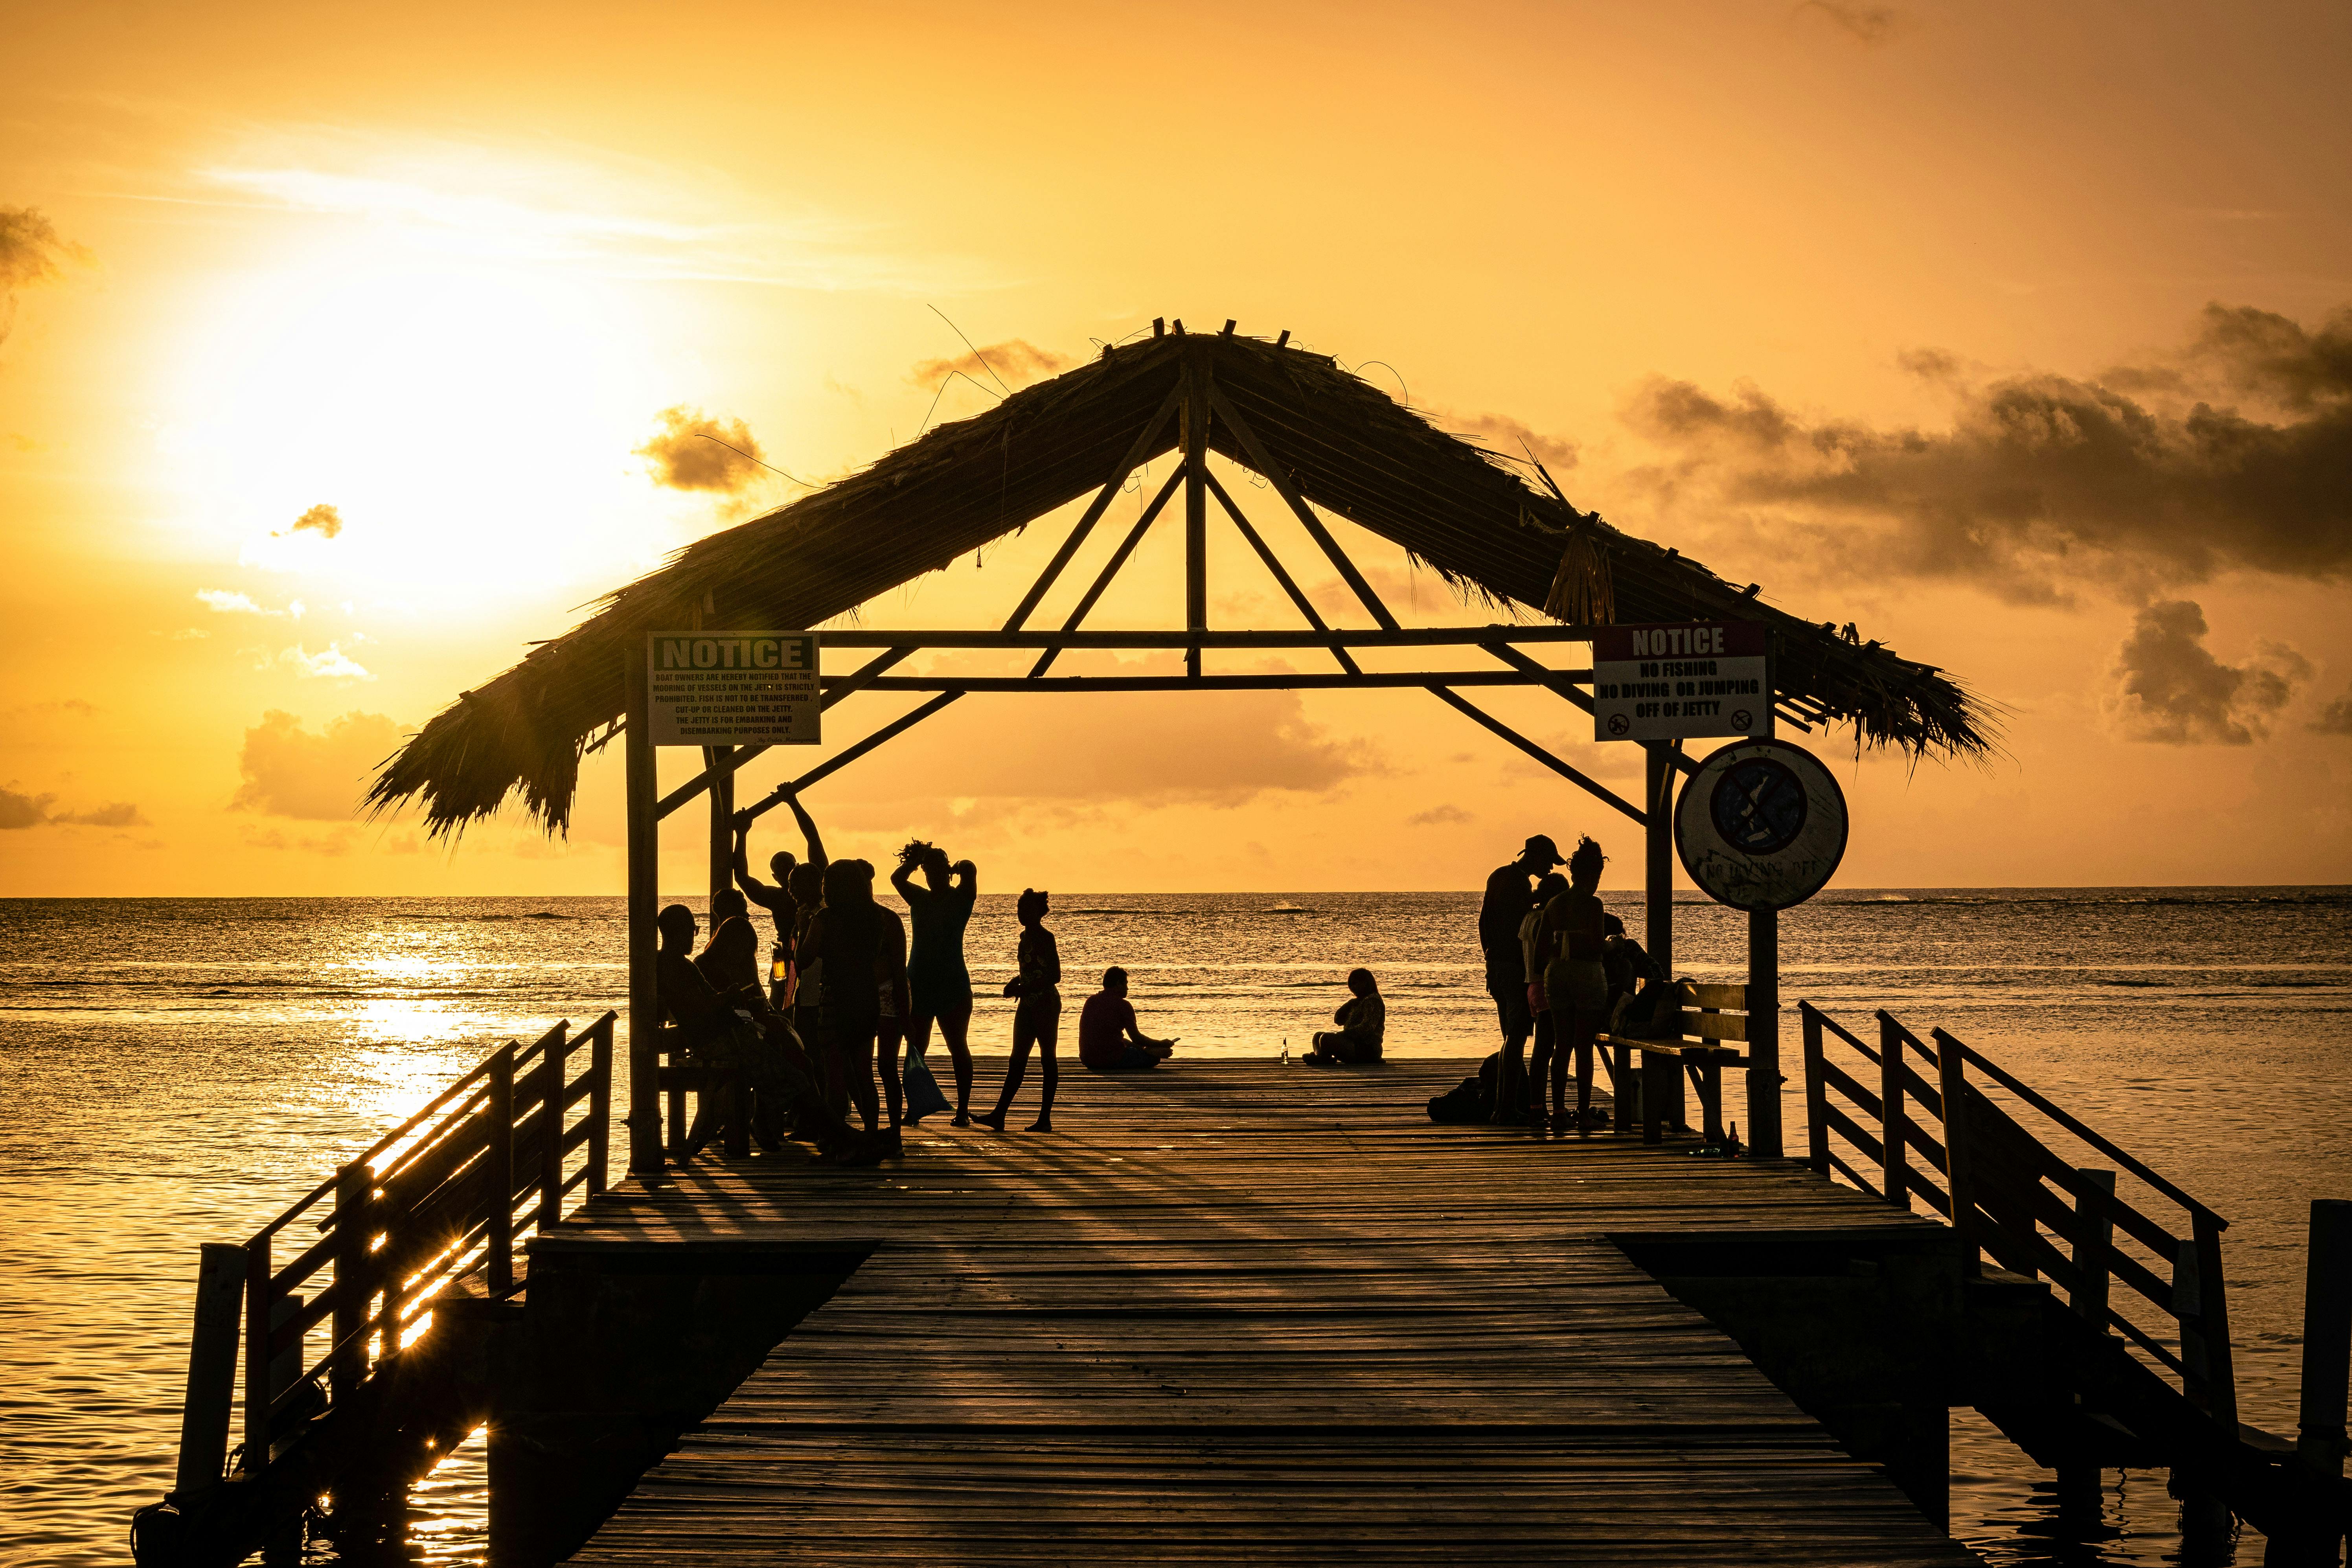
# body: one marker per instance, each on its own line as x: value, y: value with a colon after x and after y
x: 939, y: 908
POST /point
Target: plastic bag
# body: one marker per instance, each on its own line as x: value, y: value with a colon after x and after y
x: 923, y: 1096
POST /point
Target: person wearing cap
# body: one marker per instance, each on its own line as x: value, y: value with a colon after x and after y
x: 1509, y: 894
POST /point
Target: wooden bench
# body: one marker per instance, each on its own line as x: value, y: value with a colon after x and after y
x: 1713, y: 1026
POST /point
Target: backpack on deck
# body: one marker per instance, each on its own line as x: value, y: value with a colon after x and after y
x: 1472, y: 1099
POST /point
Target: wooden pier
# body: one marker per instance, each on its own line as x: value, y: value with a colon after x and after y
x: 1254, y: 1312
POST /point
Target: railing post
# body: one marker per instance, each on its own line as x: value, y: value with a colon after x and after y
x: 497, y: 1175
x: 257, y: 1353
x: 1817, y: 1121
x: 2326, y: 1336
x: 1959, y: 1150
x: 2213, y: 1303
x: 1894, y: 1156
x: 348, y: 1364
x: 1764, y: 1034
x: 600, y: 1105
x: 2095, y: 1236
x: 552, y: 1053
x: 212, y: 1370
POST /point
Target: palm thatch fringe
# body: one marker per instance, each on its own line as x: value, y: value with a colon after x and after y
x: 1344, y: 444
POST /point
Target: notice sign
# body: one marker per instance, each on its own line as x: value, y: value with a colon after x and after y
x: 1681, y: 680
x: 734, y: 688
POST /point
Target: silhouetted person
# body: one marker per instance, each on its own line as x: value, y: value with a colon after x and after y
x: 940, y: 985
x: 1109, y: 1039
x: 1363, y: 1020
x: 778, y: 898
x: 1037, y: 1018
x: 804, y: 991
x: 1635, y: 986
x: 1506, y: 902
x: 1576, y: 982
x: 723, y: 1033
x: 1511, y: 1098
x: 862, y: 947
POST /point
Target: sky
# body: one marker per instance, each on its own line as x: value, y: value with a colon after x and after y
x: 346, y: 349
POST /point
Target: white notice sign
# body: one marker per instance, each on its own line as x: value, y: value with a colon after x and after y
x: 1681, y: 680
x: 734, y: 688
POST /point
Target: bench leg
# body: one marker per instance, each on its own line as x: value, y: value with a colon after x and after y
x: 1626, y: 1087
x: 1659, y: 1074
x: 1708, y: 1080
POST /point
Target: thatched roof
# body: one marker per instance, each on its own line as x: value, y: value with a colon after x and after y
x: 1347, y: 446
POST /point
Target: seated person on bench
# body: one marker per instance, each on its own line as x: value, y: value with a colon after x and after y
x: 738, y: 1031
x: 1109, y: 1040
x: 1636, y: 989
x: 1363, y: 1018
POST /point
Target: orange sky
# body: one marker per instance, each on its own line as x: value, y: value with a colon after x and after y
x: 441, y: 268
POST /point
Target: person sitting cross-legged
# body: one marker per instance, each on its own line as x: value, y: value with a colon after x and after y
x: 1362, y: 1018
x: 1109, y: 1040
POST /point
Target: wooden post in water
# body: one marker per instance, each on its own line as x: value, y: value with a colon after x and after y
x: 212, y: 1370
x: 645, y: 893
x: 2079, y: 1482
x: 498, y: 1176
x: 1893, y: 1156
x: 2194, y: 1296
x: 1764, y: 1034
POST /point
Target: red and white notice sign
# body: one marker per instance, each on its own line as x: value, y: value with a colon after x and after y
x: 1681, y: 680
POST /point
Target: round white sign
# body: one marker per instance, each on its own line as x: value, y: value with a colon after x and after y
x: 1761, y: 825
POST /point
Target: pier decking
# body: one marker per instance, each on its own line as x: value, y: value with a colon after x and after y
x: 1248, y: 1312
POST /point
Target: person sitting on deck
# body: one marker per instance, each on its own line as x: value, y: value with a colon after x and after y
x: 1109, y: 1040
x: 1363, y: 1019
x: 723, y: 1033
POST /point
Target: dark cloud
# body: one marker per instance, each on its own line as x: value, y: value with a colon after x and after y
x: 322, y: 520
x: 21, y: 811
x: 1502, y: 434
x: 2335, y: 719
x: 2231, y: 453
x: 31, y: 252
x: 2170, y: 688
x: 290, y: 771
x: 693, y: 451
x: 1863, y: 23
x: 1015, y: 360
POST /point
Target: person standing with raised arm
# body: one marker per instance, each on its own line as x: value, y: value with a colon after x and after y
x: 778, y: 898
x: 937, y: 982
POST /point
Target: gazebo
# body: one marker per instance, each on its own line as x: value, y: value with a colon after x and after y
x: 1495, y: 527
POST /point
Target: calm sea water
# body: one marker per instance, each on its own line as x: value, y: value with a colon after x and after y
x: 177, y: 1070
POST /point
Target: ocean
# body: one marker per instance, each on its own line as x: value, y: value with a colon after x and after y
x: 174, y: 1072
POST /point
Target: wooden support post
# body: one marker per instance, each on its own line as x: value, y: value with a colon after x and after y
x: 551, y: 1052
x: 1196, y: 504
x: 1764, y: 1034
x: 2095, y: 1242
x: 2213, y: 1304
x: 1959, y: 1143
x: 644, y: 834
x: 257, y: 1353
x: 2326, y: 1337
x: 2195, y: 1294
x: 600, y: 1107
x: 722, y: 822
x: 498, y: 1176
x: 212, y: 1372
x: 1893, y: 1154
x: 1817, y: 1121
x: 347, y: 1367
x: 1658, y: 891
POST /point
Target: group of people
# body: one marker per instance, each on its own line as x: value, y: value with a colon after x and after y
x: 1562, y: 972
x: 848, y: 984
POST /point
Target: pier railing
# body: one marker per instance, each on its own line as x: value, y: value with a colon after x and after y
x: 2032, y: 1211
x: 442, y: 1196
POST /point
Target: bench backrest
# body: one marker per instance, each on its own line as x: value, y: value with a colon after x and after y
x: 1713, y: 1013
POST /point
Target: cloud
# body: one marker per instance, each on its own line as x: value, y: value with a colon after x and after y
x: 1017, y: 360
x: 1504, y: 435
x: 228, y: 602
x: 1438, y: 816
x: 322, y: 520
x: 290, y: 771
x: 2227, y: 454
x: 21, y: 811
x: 695, y: 452
x: 31, y: 252
x: 330, y: 663
x: 2335, y: 719
x: 2170, y: 688
x: 1868, y: 25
